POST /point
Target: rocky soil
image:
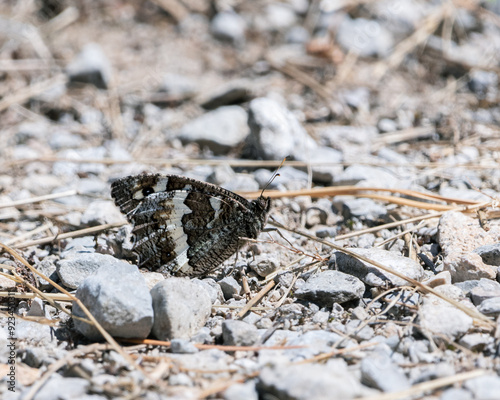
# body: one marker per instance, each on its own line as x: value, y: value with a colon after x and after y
x: 380, y: 279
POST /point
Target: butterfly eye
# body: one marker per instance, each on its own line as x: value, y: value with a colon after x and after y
x: 147, y: 191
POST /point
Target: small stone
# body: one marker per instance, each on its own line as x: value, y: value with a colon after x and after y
x: 298, y: 35
x: 6, y: 283
x: 490, y: 307
x: 456, y: 394
x: 48, y: 268
x: 275, y: 132
x: 179, y: 380
x: 360, y: 334
x: 380, y: 372
x: 241, y: 182
x: 387, y: 125
x: 364, y: 175
x: 232, y: 92
x: 219, y: 130
x: 71, y: 387
x: 331, y: 287
x: 484, y: 387
x: 264, y: 265
x: 361, y: 208
x: 482, y: 82
x: 241, y: 391
x: 374, y: 276
x: 486, y: 289
x: 230, y: 287
x: 239, y: 333
x: 178, y: 87
x: 279, y: 16
x: 365, y: 37
x: 33, y: 332
x: 438, y: 316
x: 90, y: 66
x: 305, y: 382
x: 182, y: 346
x: 181, y: 308
x: 213, y: 289
x: 229, y: 26
x: 489, y: 253
x: 77, y: 266
x: 107, y: 296
x: 458, y: 236
x: 101, y: 212
x: 475, y: 341
x: 37, y: 308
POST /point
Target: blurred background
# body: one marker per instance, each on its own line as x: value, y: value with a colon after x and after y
x: 328, y: 82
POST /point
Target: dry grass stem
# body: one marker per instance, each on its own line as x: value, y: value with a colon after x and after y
x: 22, y: 95
x: 73, y: 234
x: 39, y: 199
x: 258, y: 297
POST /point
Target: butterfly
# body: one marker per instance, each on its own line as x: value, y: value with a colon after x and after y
x: 186, y: 227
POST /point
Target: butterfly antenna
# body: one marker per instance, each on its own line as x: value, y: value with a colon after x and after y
x: 275, y: 174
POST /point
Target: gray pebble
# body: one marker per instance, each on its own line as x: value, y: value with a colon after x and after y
x: 229, y: 26
x: 476, y: 342
x: 241, y: 182
x: 220, y: 130
x: 37, y: 308
x: 456, y: 394
x: 368, y: 38
x: 361, y: 208
x: 213, y: 289
x: 182, y: 346
x: 490, y: 307
x: 90, y: 66
x: 486, y: 289
x: 489, y: 253
x: 181, y: 308
x: 241, y: 391
x: 101, y: 212
x: 264, y: 265
x: 77, y: 266
x: 387, y: 125
x: 380, y: 372
x: 107, y: 295
x: 438, y: 316
x: 71, y: 387
x: 33, y: 332
x: 47, y: 267
x: 484, y: 387
x: 230, y: 287
x: 304, y: 382
x: 275, y: 132
x: 178, y: 87
x: 297, y: 34
x: 239, y: 333
x: 374, y: 276
x: 354, y: 330
x: 331, y: 287
x: 369, y: 176
x: 232, y: 92
x: 482, y: 82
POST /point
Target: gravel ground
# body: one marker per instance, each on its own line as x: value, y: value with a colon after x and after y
x: 379, y: 277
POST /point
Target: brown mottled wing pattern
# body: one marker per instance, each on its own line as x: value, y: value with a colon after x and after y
x: 182, y: 226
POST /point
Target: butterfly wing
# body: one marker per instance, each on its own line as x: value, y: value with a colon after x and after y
x: 182, y: 226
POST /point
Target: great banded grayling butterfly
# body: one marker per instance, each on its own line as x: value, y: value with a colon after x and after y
x: 183, y: 226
